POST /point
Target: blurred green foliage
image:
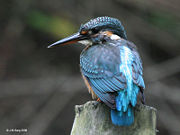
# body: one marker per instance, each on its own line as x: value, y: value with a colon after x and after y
x: 165, y: 21
x: 57, y: 26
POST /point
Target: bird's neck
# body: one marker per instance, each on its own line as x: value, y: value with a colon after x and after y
x: 105, y: 38
x: 100, y: 39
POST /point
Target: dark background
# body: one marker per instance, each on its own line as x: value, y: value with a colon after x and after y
x: 39, y: 87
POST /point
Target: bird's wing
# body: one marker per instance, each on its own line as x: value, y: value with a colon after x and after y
x: 137, y: 69
x: 100, y: 66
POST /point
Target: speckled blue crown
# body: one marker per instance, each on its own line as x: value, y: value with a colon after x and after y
x: 105, y: 22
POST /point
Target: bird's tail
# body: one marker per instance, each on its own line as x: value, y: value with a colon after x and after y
x: 121, y: 118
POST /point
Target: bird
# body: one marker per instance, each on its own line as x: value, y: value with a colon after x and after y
x: 111, y: 66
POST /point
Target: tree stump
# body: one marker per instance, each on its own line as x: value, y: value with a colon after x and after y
x: 93, y: 118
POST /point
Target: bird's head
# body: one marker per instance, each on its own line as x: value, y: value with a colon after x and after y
x: 95, y: 31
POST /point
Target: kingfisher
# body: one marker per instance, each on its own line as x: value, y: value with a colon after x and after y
x: 111, y: 66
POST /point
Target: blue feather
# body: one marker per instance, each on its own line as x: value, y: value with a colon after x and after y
x: 123, y: 115
x: 120, y: 118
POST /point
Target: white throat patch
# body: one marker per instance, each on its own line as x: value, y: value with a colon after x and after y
x: 85, y: 42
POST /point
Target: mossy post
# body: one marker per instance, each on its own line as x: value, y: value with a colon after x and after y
x: 93, y: 118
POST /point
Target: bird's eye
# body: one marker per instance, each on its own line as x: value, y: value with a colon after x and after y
x: 95, y: 30
x: 90, y: 32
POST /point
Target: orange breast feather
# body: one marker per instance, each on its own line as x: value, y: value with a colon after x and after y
x: 94, y: 96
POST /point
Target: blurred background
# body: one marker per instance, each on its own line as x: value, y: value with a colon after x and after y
x: 39, y: 87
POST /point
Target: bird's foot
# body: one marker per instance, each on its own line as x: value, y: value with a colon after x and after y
x: 98, y: 100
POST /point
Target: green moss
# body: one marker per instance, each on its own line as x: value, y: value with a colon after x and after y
x: 94, y: 119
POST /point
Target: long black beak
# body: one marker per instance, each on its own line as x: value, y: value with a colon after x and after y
x: 69, y: 40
